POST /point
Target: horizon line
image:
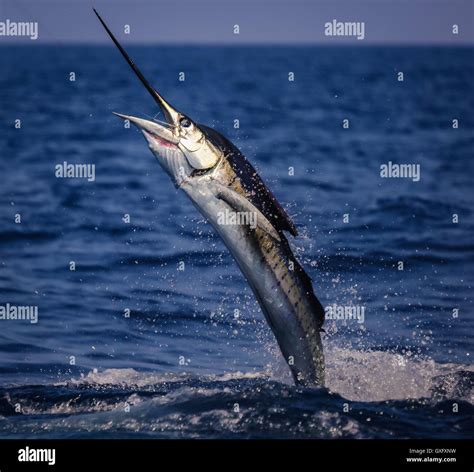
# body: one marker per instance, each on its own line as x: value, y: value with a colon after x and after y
x: 345, y: 43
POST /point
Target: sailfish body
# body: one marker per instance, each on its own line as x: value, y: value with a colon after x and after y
x: 219, y: 180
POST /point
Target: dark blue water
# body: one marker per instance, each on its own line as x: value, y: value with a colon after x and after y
x: 195, y: 357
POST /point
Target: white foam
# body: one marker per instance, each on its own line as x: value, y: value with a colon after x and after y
x: 381, y: 375
x: 367, y: 376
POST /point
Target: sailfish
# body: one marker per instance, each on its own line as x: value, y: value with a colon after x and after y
x: 219, y: 179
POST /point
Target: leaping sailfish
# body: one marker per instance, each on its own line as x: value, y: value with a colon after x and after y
x: 219, y: 179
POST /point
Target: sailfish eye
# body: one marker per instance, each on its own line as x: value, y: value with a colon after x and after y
x: 185, y: 122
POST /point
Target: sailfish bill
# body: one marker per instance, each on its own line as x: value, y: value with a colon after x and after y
x: 164, y: 106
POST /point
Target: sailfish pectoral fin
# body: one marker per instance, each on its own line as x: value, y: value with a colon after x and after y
x: 240, y: 204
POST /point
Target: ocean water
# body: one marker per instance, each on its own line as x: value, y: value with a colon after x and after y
x: 195, y: 357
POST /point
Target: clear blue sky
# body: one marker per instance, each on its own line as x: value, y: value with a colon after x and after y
x: 260, y: 21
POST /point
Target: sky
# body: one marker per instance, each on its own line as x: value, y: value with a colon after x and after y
x: 259, y: 21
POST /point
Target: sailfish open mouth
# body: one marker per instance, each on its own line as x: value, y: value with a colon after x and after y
x: 159, y: 140
x: 155, y: 133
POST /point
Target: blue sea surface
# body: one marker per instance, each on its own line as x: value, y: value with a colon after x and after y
x: 194, y: 357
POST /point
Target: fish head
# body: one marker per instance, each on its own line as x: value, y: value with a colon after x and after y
x: 178, y: 143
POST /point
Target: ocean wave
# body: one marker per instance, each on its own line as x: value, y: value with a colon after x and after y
x: 367, y: 394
